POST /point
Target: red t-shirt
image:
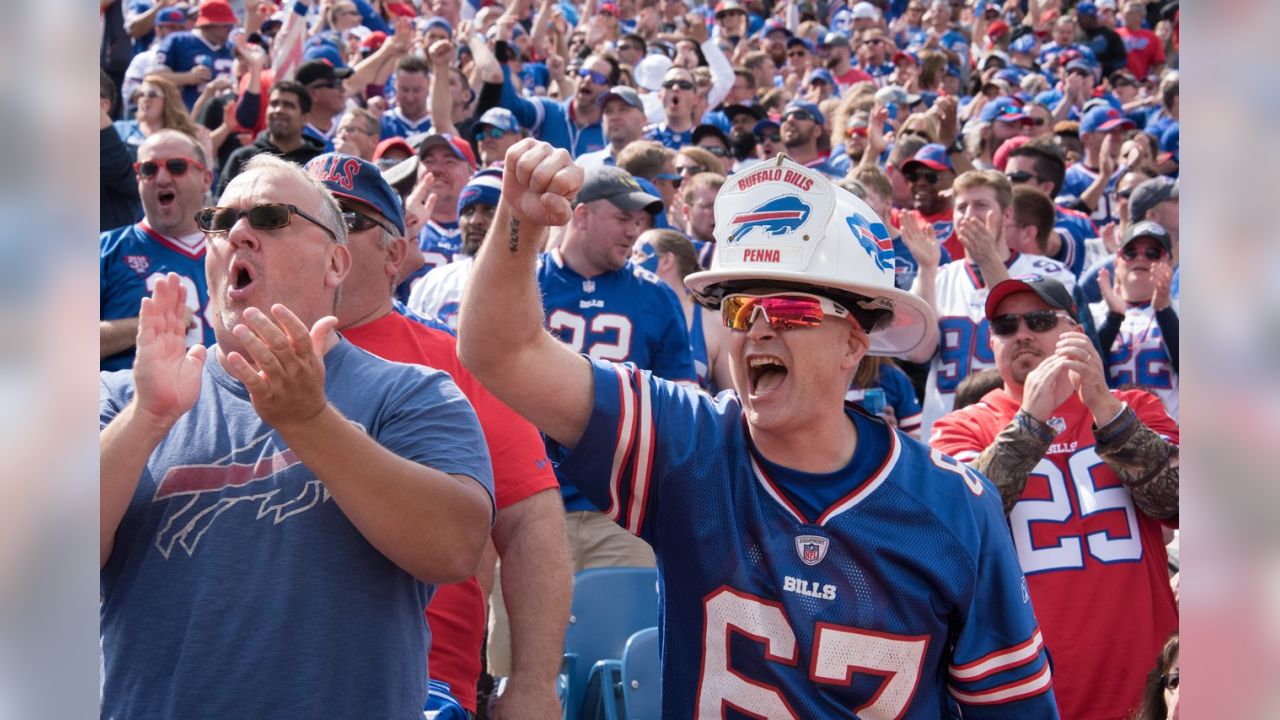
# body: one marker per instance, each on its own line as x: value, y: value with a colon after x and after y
x: 1095, y: 564
x: 457, y: 613
x: 943, y: 227
x: 853, y: 76
x: 1145, y: 49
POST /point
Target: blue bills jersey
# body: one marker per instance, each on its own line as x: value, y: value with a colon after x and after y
x: 131, y: 260
x: 183, y: 51
x: 887, y: 589
x: 395, y: 124
x: 439, y: 242
x: 1078, y: 178
x: 627, y: 315
x: 1075, y: 229
x: 668, y: 137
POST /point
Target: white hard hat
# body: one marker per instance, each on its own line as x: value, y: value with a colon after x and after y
x: 650, y: 71
x: 780, y: 224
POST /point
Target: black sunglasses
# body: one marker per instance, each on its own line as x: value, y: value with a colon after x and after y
x: 1020, y: 176
x: 914, y: 174
x: 176, y: 166
x: 1151, y: 253
x: 1124, y: 193
x: 715, y: 150
x: 771, y: 137
x: 359, y: 222
x: 1039, y: 121
x: 681, y: 84
x: 269, y: 216
x: 1038, y: 321
x: 798, y: 115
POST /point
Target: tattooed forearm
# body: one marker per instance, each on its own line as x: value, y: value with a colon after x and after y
x: 1145, y: 462
x: 1015, y: 452
x: 514, y: 243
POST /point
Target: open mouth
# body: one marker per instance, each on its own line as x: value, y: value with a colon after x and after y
x: 242, y: 278
x: 765, y: 373
x: 166, y: 198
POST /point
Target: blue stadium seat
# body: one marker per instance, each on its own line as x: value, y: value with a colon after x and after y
x: 642, y: 677
x: 609, y: 606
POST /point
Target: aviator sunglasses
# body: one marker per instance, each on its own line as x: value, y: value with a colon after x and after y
x: 1038, y: 321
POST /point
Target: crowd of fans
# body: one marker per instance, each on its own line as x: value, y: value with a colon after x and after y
x: 1029, y: 138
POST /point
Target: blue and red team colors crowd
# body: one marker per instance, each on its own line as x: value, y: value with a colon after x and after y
x: 857, y: 321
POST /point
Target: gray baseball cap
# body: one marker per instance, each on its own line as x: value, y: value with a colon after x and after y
x: 1150, y: 194
x: 623, y: 93
x: 618, y: 187
x: 1148, y: 229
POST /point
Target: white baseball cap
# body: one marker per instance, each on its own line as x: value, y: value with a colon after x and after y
x: 780, y: 224
x: 865, y: 11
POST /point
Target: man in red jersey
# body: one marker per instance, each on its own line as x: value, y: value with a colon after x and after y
x: 529, y: 528
x: 1087, y: 474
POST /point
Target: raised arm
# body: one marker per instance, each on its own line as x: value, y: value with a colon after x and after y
x: 166, y: 378
x: 500, y: 326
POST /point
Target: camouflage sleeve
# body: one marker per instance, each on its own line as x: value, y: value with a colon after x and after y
x: 1146, y: 463
x: 1016, y: 450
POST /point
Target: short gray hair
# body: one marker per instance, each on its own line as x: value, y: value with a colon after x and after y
x: 330, y: 213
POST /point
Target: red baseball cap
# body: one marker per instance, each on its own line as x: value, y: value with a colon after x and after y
x: 460, y: 147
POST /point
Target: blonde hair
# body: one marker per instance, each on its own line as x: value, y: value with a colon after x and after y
x: 173, y: 113
x: 993, y: 179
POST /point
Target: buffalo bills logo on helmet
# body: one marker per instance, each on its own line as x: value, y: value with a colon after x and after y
x: 779, y: 216
x: 874, y: 238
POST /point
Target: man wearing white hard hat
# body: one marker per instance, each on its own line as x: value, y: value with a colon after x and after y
x: 813, y: 559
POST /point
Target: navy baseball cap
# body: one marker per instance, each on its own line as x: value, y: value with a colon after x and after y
x: 737, y: 109
x: 1148, y: 229
x: 1105, y: 119
x: 1149, y: 194
x: 1047, y: 289
x: 803, y: 105
x: 1003, y: 109
x: 803, y: 42
x: 484, y: 188
x: 933, y: 156
x: 437, y: 22
x: 498, y: 117
x: 347, y: 177
x: 313, y: 70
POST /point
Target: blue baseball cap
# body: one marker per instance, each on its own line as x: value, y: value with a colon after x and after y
x: 483, y: 188
x: 1105, y: 118
x: 347, y: 177
x: 1003, y: 109
x: 803, y: 42
x: 326, y: 52
x: 1082, y: 65
x: 1087, y: 8
x: 171, y: 16
x: 772, y: 26
x: 438, y: 22
x: 498, y: 117
x: 1009, y: 75
x: 764, y: 125
x: 821, y: 74
x: 1025, y: 44
x: 933, y: 156
x: 814, y: 113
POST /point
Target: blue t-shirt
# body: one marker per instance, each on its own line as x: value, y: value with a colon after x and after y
x: 182, y: 51
x: 130, y: 261
x: 534, y: 75
x: 627, y: 315
x: 891, y: 585
x: 237, y: 587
